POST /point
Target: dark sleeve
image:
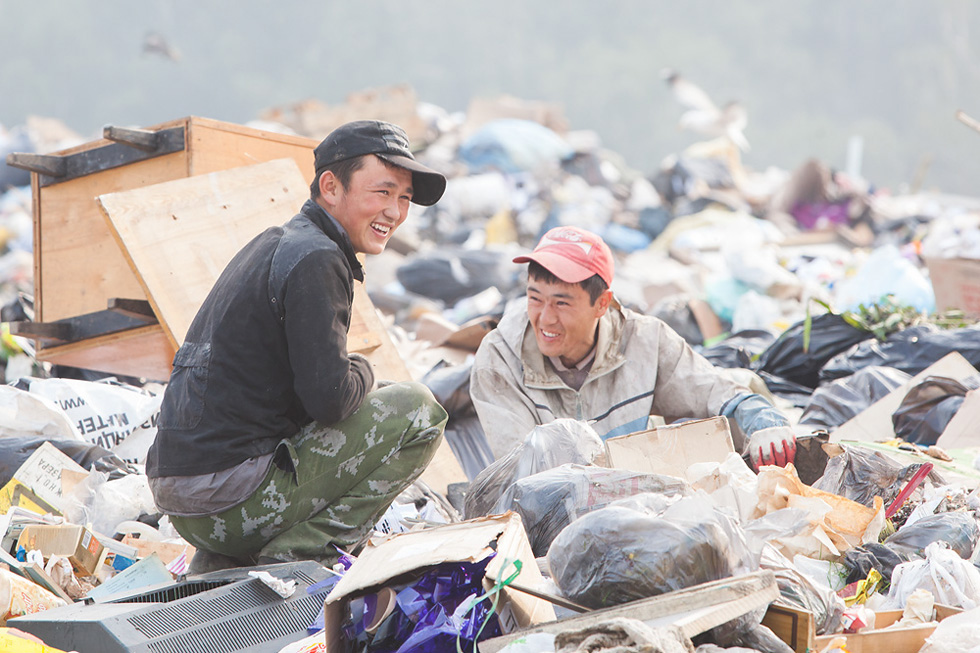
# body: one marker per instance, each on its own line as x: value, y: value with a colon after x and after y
x: 317, y: 307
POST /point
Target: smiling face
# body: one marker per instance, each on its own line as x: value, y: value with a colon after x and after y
x: 373, y: 205
x: 564, y: 319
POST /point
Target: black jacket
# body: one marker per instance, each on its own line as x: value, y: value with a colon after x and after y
x: 266, y: 353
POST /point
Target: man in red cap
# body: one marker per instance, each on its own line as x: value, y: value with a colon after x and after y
x: 574, y: 352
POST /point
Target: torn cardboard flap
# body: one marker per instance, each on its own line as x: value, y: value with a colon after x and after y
x: 672, y: 449
x: 468, y: 541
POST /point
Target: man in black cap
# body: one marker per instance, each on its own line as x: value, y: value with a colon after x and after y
x: 271, y: 445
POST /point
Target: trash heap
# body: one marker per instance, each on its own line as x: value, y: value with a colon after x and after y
x: 852, y: 308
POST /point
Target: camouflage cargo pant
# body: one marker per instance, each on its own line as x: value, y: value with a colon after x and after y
x: 344, y: 477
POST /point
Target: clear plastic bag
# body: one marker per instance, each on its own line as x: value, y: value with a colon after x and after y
x: 624, y: 552
x: 550, y: 500
x: 546, y: 446
x: 800, y: 591
x: 860, y: 475
x: 958, y: 530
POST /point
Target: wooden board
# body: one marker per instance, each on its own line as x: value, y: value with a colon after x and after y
x: 693, y: 610
x: 145, y: 352
x: 179, y: 235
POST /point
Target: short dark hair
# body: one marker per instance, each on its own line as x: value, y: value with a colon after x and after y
x: 594, y: 285
x: 342, y: 170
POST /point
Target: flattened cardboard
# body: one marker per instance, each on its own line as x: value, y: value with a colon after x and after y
x: 874, y: 423
x: 672, y: 449
x: 41, y: 475
x: 962, y: 431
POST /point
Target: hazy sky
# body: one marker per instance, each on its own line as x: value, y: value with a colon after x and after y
x: 812, y: 74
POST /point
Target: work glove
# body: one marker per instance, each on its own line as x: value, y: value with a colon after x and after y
x: 775, y: 445
x: 771, y: 441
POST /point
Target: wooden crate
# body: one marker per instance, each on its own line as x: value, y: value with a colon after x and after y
x: 79, y: 268
x: 796, y: 628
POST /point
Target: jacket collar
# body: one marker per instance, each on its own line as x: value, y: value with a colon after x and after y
x: 519, y: 336
x: 329, y: 226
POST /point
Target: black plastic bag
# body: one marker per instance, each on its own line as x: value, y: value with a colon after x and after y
x: 624, y: 552
x: 911, y: 350
x: 958, y: 529
x: 451, y: 387
x: 15, y: 450
x: 862, y: 559
x: 738, y: 349
x: 550, y: 500
x: 927, y: 408
x: 830, y: 335
x: 796, y: 394
x: 450, y: 275
x: 834, y: 403
x: 675, y: 311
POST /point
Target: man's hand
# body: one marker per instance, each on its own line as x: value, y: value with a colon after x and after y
x: 775, y: 445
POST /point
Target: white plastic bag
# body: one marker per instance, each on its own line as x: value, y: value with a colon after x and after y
x: 958, y: 633
x: 120, y: 418
x: 951, y: 579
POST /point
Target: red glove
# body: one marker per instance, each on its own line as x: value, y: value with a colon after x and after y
x: 775, y: 445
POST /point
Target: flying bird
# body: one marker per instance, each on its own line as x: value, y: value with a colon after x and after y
x: 155, y: 43
x: 702, y: 116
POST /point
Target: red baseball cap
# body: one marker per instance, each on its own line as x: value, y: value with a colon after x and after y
x: 572, y: 255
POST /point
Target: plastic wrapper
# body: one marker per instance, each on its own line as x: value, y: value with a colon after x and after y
x: 623, y: 552
x: 546, y: 446
x: 431, y: 614
x: 911, y: 350
x: 958, y: 530
x: 105, y: 503
x: 861, y: 475
x: 19, y: 596
x: 928, y: 407
x: 834, y: 403
x: 951, y: 579
x: 800, y: 591
x: 550, y: 500
x: 788, y: 358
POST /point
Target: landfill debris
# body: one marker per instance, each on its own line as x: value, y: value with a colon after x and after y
x: 853, y: 308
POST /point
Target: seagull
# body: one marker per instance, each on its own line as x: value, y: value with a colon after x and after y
x: 702, y: 116
x: 155, y: 43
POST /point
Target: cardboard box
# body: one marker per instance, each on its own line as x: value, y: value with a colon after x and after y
x: 956, y: 284
x: 76, y: 543
x: 796, y: 628
x: 672, y: 449
x: 36, y: 485
x: 399, y: 556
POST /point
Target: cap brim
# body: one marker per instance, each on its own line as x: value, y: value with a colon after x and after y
x: 427, y: 184
x: 559, y: 265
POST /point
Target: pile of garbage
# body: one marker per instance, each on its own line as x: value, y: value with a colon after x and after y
x: 852, y: 308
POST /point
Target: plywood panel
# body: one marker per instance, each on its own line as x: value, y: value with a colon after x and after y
x: 220, y: 146
x: 180, y: 235
x: 142, y: 353
x: 79, y: 263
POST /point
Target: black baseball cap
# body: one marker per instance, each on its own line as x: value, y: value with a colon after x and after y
x: 388, y: 141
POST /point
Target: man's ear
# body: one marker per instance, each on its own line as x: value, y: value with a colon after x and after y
x: 602, y: 303
x: 330, y: 187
